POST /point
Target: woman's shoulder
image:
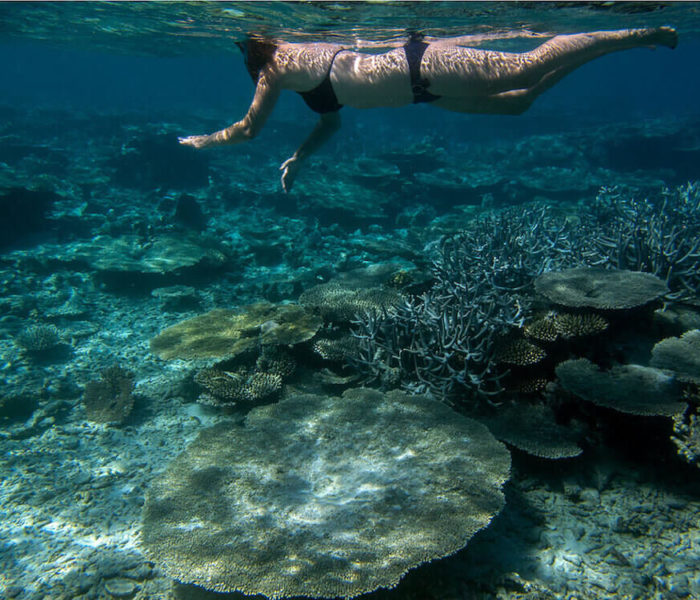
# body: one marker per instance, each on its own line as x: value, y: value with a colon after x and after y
x: 308, y: 51
x: 303, y: 66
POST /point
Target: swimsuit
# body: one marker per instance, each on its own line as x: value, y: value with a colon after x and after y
x: 414, y: 49
x: 322, y: 98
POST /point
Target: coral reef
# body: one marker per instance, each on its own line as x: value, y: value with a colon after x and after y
x: 337, y: 350
x: 533, y: 429
x: 570, y: 326
x: 680, y: 355
x: 242, y: 386
x: 324, y: 496
x: 445, y: 341
x: 38, y: 339
x: 686, y: 436
x: 221, y: 334
x: 337, y: 302
x: 604, y: 289
x: 658, y: 235
x: 557, y: 325
x: 276, y: 360
x: 159, y: 254
x: 110, y: 399
x: 632, y: 389
x: 518, y: 352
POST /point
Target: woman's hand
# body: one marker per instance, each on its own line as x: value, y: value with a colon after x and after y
x: 196, y: 141
x: 289, y: 168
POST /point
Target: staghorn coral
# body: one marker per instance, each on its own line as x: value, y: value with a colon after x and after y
x: 600, y: 288
x: 324, y: 496
x: 445, y: 342
x: 632, y: 389
x: 658, y: 235
x: 110, y: 399
x: 222, y: 334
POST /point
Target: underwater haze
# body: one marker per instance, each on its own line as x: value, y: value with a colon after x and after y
x: 460, y: 358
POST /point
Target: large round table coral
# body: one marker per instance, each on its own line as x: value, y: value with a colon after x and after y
x: 324, y: 496
x: 606, y: 289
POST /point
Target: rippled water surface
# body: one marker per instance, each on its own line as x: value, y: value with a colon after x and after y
x: 167, y: 28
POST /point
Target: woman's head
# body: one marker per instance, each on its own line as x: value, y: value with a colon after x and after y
x: 257, y: 52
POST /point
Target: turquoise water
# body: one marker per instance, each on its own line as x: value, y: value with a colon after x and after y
x: 460, y: 359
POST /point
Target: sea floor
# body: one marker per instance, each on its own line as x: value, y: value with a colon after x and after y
x: 614, y: 523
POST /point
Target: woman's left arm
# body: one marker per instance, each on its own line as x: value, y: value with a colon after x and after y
x: 327, y: 125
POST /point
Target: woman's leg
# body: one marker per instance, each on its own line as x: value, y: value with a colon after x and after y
x: 477, y: 75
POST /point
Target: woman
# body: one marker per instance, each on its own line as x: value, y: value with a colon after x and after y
x: 441, y: 72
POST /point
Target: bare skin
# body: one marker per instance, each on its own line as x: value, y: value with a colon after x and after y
x: 466, y: 80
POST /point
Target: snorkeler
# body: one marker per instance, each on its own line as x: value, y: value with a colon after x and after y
x: 440, y: 72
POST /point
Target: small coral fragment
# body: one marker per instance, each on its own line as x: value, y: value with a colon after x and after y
x: 110, y: 399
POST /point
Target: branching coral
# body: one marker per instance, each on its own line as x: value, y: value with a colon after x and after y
x: 656, y: 235
x: 446, y: 340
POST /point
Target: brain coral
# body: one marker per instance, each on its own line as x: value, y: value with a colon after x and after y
x: 225, y: 333
x: 600, y: 288
x: 324, y: 496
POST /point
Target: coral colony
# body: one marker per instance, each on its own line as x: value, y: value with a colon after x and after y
x: 446, y: 341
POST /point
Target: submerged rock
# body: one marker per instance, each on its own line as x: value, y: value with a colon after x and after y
x: 324, y: 496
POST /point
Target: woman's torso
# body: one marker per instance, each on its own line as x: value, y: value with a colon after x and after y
x: 358, y: 79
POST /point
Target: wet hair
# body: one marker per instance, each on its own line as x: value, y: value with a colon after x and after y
x: 257, y: 52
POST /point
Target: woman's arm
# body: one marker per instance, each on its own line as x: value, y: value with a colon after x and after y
x: 327, y: 125
x: 267, y: 92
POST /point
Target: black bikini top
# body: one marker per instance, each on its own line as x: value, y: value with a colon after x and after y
x: 322, y: 98
x: 257, y: 53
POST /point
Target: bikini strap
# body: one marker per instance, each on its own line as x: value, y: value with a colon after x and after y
x: 414, y: 49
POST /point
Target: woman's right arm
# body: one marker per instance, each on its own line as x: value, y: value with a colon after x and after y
x: 267, y: 92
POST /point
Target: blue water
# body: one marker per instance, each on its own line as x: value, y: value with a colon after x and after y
x: 111, y: 233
